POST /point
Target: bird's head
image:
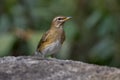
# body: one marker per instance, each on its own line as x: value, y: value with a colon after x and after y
x: 59, y: 21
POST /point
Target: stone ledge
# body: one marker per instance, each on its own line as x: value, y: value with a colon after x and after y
x: 34, y: 68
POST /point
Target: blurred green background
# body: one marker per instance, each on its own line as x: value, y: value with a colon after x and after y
x: 92, y: 35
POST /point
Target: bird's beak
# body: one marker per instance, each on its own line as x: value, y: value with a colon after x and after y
x: 67, y: 18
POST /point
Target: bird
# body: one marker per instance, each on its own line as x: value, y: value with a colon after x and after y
x: 52, y: 40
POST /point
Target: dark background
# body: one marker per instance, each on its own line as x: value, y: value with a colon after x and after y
x: 92, y: 35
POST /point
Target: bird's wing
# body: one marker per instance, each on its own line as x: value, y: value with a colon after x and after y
x: 43, y: 39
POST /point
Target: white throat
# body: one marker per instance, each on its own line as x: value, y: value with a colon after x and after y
x: 59, y: 26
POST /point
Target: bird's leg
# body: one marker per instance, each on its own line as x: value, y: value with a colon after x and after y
x: 52, y: 57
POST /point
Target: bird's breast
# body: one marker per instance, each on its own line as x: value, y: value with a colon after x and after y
x: 52, y: 48
x: 56, y: 34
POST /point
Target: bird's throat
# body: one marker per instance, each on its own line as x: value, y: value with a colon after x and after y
x: 57, y: 26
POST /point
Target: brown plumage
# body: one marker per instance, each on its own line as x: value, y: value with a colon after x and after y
x: 53, y: 39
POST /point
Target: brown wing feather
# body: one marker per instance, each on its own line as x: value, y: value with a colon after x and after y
x: 43, y: 39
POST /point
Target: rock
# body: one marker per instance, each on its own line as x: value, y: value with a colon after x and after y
x: 35, y: 68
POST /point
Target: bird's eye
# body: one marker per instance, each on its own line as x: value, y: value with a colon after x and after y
x: 59, y: 18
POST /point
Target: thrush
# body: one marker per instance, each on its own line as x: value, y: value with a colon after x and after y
x: 53, y: 39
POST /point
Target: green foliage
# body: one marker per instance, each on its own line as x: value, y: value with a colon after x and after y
x: 92, y: 35
x: 6, y: 40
